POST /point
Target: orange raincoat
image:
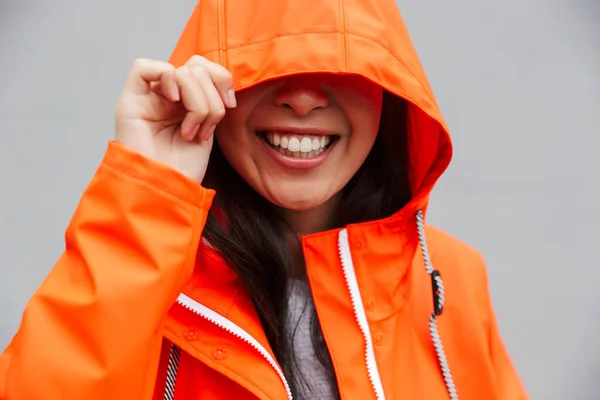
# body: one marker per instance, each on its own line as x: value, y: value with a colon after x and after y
x: 137, y: 308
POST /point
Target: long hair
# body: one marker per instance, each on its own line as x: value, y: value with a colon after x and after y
x: 253, y: 242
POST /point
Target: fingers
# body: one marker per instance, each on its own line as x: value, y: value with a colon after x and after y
x: 216, y: 106
x: 220, y: 77
x: 206, y: 90
x: 145, y: 72
x: 167, y: 86
x: 194, y: 100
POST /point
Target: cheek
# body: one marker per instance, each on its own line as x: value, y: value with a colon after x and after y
x: 356, y: 151
x: 364, y: 117
x: 362, y: 103
x: 364, y: 114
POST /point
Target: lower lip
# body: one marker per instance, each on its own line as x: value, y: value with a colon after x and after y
x: 295, y: 162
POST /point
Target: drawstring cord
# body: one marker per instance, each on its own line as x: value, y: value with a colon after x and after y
x: 438, y: 307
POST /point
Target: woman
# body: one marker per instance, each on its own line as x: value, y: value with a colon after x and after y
x: 309, y: 275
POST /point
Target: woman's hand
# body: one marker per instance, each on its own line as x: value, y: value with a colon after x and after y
x: 170, y: 114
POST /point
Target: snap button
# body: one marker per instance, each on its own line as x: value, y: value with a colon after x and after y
x: 219, y: 354
x: 370, y: 304
x: 379, y: 339
x: 190, y: 335
x: 358, y: 244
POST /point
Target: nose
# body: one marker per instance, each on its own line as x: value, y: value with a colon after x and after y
x: 302, y: 96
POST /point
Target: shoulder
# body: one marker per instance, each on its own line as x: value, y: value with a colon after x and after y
x: 455, y: 259
x: 449, y: 248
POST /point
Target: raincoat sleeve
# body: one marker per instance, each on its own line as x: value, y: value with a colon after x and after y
x: 93, y: 329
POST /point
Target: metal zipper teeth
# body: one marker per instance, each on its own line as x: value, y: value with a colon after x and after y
x: 359, y: 313
x: 229, y: 326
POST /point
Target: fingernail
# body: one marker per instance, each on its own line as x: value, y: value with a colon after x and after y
x: 208, y: 133
x: 231, y: 98
x: 193, y: 132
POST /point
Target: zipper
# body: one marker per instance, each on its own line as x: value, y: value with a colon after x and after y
x: 359, y: 313
x: 172, y: 367
x: 229, y: 326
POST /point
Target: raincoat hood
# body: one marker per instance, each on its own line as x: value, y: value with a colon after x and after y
x: 263, y: 39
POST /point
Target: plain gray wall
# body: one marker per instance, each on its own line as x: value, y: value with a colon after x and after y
x: 519, y: 84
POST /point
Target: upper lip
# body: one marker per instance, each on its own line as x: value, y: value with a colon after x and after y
x: 307, y: 131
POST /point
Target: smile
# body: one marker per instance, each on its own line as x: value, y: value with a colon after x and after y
x: 298, y: 146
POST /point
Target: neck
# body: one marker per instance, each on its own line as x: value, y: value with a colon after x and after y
x: 316, y: 219
x: 306, y: 222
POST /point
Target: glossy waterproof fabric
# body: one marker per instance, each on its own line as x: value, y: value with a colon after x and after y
x: 101, y: 324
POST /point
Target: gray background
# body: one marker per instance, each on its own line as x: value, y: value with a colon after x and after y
x: 519, y: 84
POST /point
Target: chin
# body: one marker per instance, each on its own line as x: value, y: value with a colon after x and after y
x: 297, y: 200
x: 298, y: 194
x: 296, y: 203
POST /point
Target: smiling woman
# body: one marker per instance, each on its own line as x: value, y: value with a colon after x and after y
x: 288, y: 258
x: 273, y: 135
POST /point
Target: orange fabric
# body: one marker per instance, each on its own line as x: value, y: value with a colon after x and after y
x: 100, y: 325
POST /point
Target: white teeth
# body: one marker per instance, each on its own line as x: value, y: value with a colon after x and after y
x: 294, y: 144
x: 299, y: 154
x: 316, y: 144
x: 298, y: 145
x: 284, y: 143
x: 305, y: 145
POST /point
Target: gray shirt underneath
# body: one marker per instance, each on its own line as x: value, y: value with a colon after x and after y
x: 314, y: 383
